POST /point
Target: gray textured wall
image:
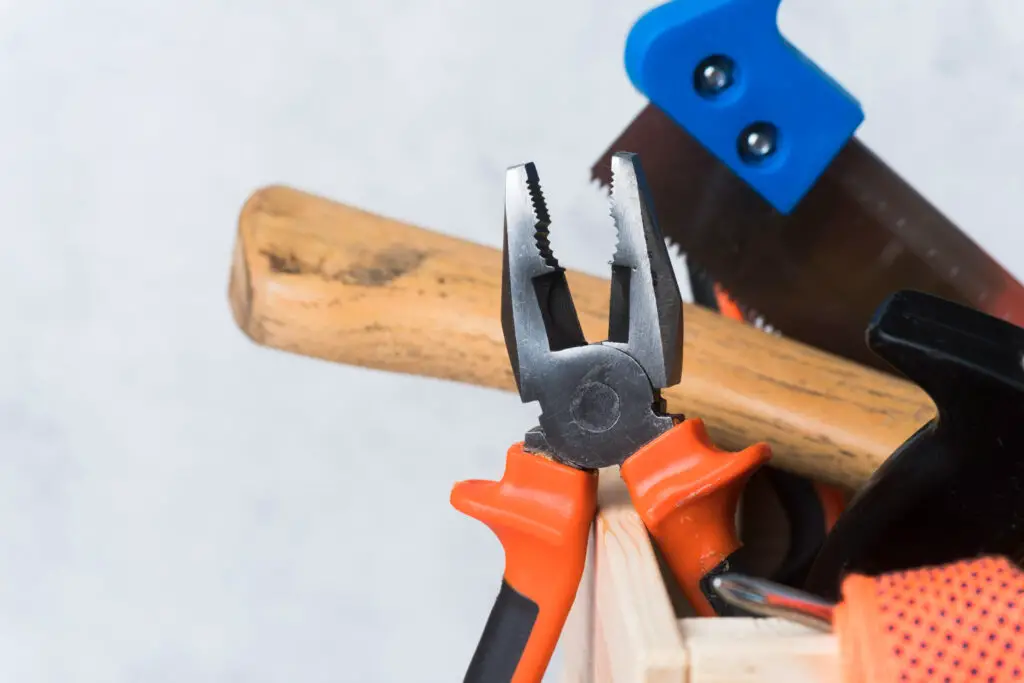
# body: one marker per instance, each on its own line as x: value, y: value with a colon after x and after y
x: 177, y: 504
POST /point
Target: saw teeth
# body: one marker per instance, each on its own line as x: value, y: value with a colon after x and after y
x: 600, y: 185
x: 680, y: 267
x: 758, y: 321
x: 541, y: 218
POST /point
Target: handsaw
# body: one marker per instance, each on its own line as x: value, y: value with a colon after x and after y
x: 785, y: 218
x: 810, y: 253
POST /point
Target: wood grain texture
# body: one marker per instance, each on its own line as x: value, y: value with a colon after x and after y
x: 744, y: 650
x: 577, y: 642
x: 318, y: 278
x: 629, y: 632
x: 636, y: 636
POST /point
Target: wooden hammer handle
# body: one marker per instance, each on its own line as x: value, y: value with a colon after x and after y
x: 321, y: 279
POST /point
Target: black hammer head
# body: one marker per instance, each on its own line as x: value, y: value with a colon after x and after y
x: 955, y: 489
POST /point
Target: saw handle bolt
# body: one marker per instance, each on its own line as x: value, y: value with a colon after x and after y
x: 714, y: 75
x: 758, y: 142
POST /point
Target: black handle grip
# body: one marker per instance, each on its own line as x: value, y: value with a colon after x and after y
x: 954, y: 489
x: 807, y: 527
x: 504, y: 638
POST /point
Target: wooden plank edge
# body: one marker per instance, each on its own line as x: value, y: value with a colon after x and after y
x: 636, y: 637
x: 623, y: 629
x: 577, y: 642
x: 747, y: 650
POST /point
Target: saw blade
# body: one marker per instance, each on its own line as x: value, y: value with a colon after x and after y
x: 818, y: 273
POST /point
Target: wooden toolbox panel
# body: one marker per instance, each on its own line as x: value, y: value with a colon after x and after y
x: 624, y: 628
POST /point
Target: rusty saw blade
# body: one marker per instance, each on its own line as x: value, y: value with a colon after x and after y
x: 818, y: 273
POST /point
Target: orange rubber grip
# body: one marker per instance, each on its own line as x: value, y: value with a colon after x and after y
x: 541, y: 511
x: 686, y: 491
x: 727, y: 306
x: 833, y: 502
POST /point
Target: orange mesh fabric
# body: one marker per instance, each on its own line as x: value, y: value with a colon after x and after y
x: 958, y: 622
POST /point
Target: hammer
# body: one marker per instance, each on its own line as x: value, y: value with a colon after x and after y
x: 318, y: 278
x: 955, y: 489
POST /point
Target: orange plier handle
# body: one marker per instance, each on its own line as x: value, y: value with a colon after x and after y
x: 541, y: 511
x: 685, y: 490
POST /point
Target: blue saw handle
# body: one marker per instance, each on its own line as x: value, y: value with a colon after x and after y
x: 773, y: 88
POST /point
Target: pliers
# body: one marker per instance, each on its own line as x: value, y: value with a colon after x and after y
x: 600, y: 407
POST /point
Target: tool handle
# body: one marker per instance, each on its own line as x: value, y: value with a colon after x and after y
x: 686, y: 491
x: 318, y: 278
x: 541, y: 511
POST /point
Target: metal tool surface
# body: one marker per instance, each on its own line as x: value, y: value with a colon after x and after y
x: 598, y: 401
x: 818, y: 273
x: 771, y: 599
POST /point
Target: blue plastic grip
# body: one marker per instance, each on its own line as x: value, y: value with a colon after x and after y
x: 772, y: 83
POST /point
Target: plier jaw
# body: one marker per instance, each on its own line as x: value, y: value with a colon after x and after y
x: 538, y: 316
x: 646, y: 310
x: 599, y: 402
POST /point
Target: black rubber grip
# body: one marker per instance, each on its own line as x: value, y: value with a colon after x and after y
x: 702, y: 287
x: 806, y: 518
x: 504, y: 638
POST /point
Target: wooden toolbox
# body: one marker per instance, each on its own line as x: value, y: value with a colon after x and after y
x: 625, y: 626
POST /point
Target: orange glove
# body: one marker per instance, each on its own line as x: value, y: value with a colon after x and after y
x: 958, y: 622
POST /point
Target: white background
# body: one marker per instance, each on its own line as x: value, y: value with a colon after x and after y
x: 178, y: 504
